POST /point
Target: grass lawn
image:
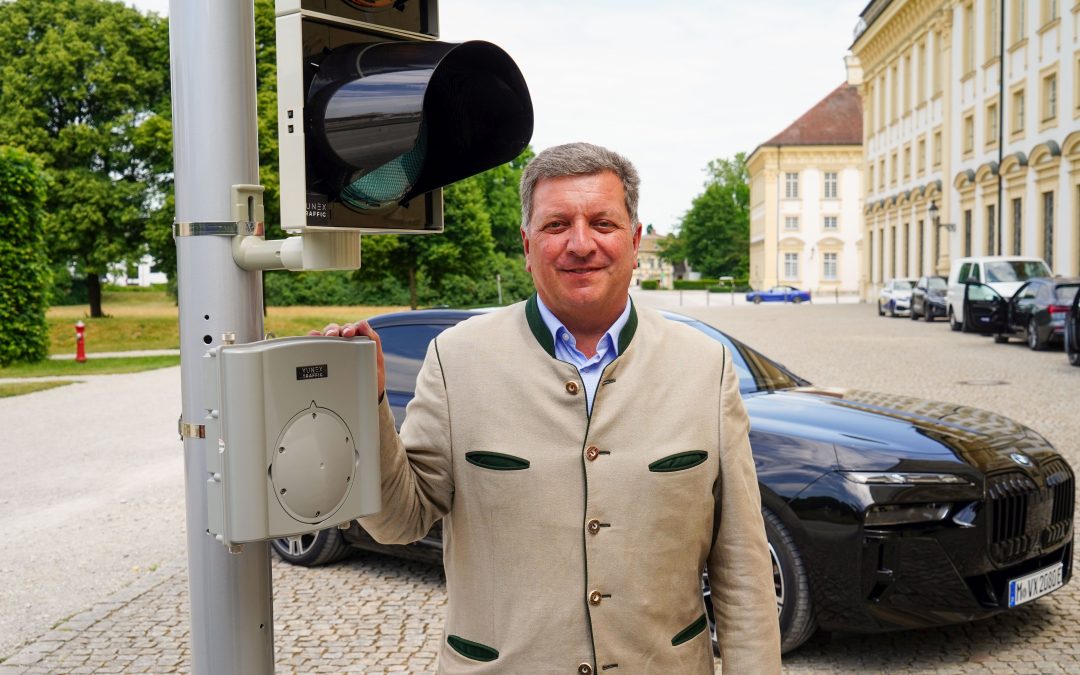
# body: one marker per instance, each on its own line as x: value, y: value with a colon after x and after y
x: 18, y: 388
x: 148, y: 320
x: 92, y: 366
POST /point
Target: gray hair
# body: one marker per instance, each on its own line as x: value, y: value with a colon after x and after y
x: 578, y: 159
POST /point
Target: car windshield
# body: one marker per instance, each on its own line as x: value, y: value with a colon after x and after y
x: 756, y: 372
x: 1015, y: 270
x: 901, y: 285
x: 938, y: 284
x: 1065, y: 294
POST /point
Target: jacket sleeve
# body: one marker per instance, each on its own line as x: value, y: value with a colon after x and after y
x: 740, y: 569
x: 417, y: 478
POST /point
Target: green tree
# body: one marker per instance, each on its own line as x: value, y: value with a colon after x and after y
x: 466, y: 247
x: 503, y: 203
x: 78, y: 79
x: 24, y: 269
x: 714, y: 235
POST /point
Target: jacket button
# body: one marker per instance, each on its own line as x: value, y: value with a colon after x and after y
x: 594, y: 598
x: 592, y: 452
x: 584, y: 669
x: 572, y: 388
x: 593, y: 526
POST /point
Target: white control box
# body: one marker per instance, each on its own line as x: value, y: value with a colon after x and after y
x: 293, y: 435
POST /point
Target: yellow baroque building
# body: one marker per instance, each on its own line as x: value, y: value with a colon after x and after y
x: 806, y: 200
x: 998, y: 157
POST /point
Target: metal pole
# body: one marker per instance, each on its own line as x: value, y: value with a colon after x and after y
x: 1000, y: 124
x: 215, y: 146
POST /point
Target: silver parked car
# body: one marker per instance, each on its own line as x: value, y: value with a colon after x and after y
x: 895, y: 297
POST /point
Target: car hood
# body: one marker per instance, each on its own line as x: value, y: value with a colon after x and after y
x: 1006, y: 289
x: 872, y: 431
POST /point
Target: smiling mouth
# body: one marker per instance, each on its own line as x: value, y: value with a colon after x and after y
x: 582, y: 271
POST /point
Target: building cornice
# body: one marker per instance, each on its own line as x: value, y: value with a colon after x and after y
x: 898, y: 25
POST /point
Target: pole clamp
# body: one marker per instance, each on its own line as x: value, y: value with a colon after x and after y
x: 189, y: 430
x: 218, y: 229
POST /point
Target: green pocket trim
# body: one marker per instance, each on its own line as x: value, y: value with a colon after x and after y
x: 472, y: 650
x: 679, y: 461
x: 496, y: 461
x: 690, y: 632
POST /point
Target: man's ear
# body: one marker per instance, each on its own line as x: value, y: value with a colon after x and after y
x: 637, y: 237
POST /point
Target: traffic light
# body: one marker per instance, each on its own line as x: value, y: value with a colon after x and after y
x: 375, y: 115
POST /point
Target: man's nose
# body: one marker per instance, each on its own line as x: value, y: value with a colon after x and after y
x: 581, y: 241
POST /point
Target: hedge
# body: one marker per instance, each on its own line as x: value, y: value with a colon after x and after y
x: 650, y: 284
x: 24, y: 269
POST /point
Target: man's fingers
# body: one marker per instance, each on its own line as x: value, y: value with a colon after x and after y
x: 331, y: 330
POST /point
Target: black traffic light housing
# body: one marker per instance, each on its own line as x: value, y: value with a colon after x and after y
x: 376, y: 116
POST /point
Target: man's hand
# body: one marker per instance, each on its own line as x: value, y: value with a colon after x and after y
x: 351, y: 330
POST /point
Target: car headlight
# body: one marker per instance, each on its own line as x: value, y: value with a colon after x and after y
x: 903, y: 478
x: 879, y: 516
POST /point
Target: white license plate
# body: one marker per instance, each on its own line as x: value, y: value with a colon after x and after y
x: 1036, y: 584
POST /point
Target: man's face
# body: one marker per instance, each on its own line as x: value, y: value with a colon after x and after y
x: 581, y: 246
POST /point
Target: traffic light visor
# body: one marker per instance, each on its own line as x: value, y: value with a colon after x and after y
x: 393, y: 120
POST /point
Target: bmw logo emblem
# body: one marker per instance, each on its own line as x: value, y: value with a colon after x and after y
x: 1020, y: 458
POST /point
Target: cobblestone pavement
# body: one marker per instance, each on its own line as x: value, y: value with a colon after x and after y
x: 375, y: 614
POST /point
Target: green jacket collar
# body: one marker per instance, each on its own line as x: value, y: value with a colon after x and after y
x: 543, y: 335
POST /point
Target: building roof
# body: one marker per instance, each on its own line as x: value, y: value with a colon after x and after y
x: 835, y: 120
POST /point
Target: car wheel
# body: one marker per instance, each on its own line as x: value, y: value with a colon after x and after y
x: 313, y: 549
x: 912, y: 315
x: 796, y: 300
x: 793, y: 604
x: 953, y: 323
x: 879, y: 310
x: 929, y: 316
x: 757, y: 299
x: 1033, y: 340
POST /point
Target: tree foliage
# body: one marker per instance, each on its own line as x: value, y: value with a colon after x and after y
x: 714, y: 235
x: 24, y: 268
x: 80, y: 80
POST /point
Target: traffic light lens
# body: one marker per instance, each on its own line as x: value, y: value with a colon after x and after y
x: 390, y: 182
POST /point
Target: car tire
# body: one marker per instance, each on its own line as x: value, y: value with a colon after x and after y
x: 955, y: 325
x: 929, y: 316
x: 313, y: 549
x: 1036, y: 343
x: 792, y: 585
x: 880, y: 312
x: 911, y: 314
x: 757, y: 299
x: 797, y: 300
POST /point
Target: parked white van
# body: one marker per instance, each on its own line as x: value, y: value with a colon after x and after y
x: 1003, y: 273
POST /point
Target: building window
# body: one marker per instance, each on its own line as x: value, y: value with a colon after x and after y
x: 937, y: 149
x: 1049, y: 11
x: 967, y: 233
x: 791, y: 185
x: 969, y: 134
x: 920, y: 159
x: 870, y: 177
x: 1049, y: 97
x: 920, y: 70
x: 828, y: 266
x: 1048, y: 228
x: 791, y: 222
x: 830, y: 185
x: 1018, y: 111
x: 907, y: 84
x: 991, y: 229
x: 992, y: 27
x: 892, y: 251
x: 907, y: 161
x: 1019, y: 20
x: 881, y: 174
x: 937, y: 65
x: 969, y: 39
x: 1017, y: 221
x: 907, y: 243
x: 894, y: 93
x: 991, y: 123
x: 893, y: 173
x: 791, y: 266
x: 830, y: 223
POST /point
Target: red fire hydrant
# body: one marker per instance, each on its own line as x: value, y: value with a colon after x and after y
x: 80, y: 342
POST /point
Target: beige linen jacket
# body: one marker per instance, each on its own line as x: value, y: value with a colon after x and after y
x: 575, y: 543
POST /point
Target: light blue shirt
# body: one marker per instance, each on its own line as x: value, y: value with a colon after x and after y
x: 566, y: 349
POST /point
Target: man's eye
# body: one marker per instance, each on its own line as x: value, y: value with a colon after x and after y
x: 555, y: 225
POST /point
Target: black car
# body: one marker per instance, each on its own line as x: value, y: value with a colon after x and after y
x: 1072, y: 332
x: 928, y: 298
x: 881, y: 511
x: 1036, y: 312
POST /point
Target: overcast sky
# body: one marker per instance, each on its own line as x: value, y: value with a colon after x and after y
x: 669, y: 84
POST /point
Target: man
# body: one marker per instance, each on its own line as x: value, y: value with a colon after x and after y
x: 588, y: 458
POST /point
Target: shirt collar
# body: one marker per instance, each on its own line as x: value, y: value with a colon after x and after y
x: 554, y: 325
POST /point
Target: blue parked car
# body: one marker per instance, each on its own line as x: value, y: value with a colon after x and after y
x: 778, y: 294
